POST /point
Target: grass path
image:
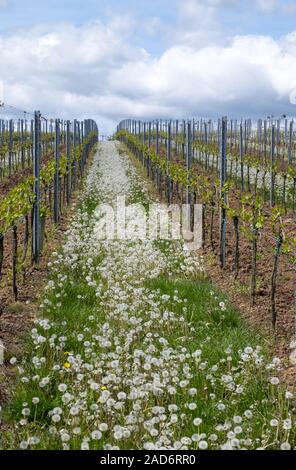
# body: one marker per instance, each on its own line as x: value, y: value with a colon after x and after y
x: 135, y: 349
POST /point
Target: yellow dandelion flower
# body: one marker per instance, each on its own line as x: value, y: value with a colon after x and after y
x: 103, y: 387
x: 67, y: 365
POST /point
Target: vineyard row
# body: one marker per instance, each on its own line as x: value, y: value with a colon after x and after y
x: 187, y: 167
x: 57, y: 164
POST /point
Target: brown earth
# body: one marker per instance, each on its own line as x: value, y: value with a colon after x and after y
x: 9, y: 182
x: 239, y: 291
x: 16, y: 318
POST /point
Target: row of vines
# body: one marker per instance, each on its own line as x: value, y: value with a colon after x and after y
x: 17, y: 143
x: 56, y: 179
x: 192, y: 166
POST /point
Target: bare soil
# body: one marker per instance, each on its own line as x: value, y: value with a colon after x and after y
x: 16, y: 318
x: 239, y: 291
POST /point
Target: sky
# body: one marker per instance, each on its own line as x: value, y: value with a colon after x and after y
x: 112, y: 60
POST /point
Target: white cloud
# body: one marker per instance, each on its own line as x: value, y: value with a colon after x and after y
x: 251, y: 75
x: 152, y: 25
x: 276, y: 6
x: 197, y: 23
x: 92, y: 70
x: 267, y: 6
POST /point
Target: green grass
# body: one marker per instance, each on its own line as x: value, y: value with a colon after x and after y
x: 204, y: 328
x: 211, y: 324
x: 214, y: 333
x: 202, y: 298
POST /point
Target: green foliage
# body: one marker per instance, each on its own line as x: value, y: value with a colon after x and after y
x: 246, y: 206
x: 19, y: 200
